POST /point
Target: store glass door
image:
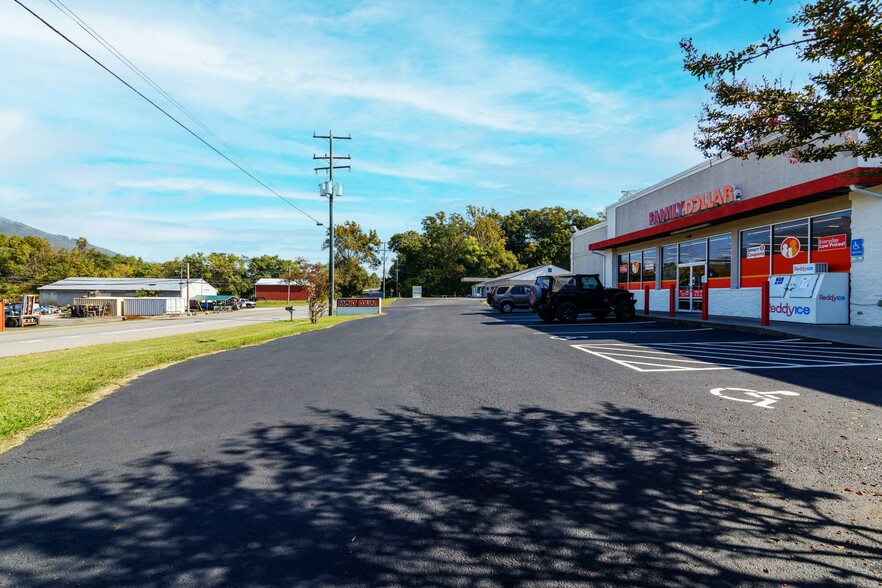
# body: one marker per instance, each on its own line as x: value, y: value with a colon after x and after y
x: 689, y: 285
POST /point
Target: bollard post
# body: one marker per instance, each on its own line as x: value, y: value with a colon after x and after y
x: 764, y: 311
x: 705, y: 294
x: 3, y: 314
x: 673, y: 310
x: 645, y: 299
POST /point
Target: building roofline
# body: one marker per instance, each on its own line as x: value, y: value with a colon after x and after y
x: 721, y: 213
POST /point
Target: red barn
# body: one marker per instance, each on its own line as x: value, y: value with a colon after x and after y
x: 278, y: 289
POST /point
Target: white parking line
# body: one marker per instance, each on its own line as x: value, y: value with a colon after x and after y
x: 574, y: 335
x: 543, y: 324
x: 782, y: 354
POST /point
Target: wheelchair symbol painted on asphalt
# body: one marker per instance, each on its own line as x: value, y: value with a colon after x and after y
x: 759, y: 399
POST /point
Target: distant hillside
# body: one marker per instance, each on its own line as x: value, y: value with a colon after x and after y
x: 11, y: 227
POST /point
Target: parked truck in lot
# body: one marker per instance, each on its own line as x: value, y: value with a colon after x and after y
x: 566, y: 297
x: 23, y: 314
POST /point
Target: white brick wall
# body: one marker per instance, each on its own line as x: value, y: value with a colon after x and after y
x: 866, y: 276
x: 742, y: 303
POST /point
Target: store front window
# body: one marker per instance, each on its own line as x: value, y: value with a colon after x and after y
x: 669, y: 265
x: 831, y: 241
x: 649, y: 263
x: 719, y: 261
x: 635, y: 266
x: 623, y: 271
x: 637, y: 269
x: 756, y: 252
x: 776, y: 249
x: 790, y: 245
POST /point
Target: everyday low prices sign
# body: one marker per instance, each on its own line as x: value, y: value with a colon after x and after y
x: 352, y: 306
x: 832, y: 242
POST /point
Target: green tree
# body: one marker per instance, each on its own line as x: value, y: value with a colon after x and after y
x: 267, y: 266
x: 450, y: 248
x: 837, y: 111
x: 541, y: 237
x: 353, y: 249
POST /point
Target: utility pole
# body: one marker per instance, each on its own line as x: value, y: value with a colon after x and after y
x: 383, y: 287
x: 327, y: 189
x: 397, y: 291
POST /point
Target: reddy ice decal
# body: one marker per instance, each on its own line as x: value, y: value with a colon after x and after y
x: 788, y: 310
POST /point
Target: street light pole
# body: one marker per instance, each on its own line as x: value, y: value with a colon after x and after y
x: 327, y: 189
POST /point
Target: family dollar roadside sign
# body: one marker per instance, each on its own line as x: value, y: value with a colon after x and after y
x: 351, y: 306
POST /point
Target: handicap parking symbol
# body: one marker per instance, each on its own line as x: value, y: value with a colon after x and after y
x: 758, y: 399
x: 857, y: 247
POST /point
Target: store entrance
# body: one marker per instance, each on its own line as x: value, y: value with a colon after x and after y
x: 689, y: 285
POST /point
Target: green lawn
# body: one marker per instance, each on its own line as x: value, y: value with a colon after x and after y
x: 39, y: 390
x: 279, y: 303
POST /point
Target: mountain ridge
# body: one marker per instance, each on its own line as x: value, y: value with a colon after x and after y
x: 11, y: 227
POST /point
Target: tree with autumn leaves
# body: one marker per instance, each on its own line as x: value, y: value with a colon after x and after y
x: 837, y: 111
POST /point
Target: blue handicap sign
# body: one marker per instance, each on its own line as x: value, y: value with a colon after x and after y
x: 857, y: 247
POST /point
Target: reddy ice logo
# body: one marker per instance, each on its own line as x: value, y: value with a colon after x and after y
x: 831, y: 298
x: 788, y: 310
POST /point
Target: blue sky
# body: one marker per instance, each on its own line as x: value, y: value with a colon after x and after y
x: 502, y: 104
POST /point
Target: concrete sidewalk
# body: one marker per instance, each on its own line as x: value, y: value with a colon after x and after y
x: 849, y: 334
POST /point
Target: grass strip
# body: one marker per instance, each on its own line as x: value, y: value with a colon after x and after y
x: 39, y: 390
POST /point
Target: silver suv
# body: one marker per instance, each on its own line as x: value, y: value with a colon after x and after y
x: 514, y: 297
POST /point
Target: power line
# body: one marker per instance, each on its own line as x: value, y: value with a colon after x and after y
x: 166, y: 113
x: 135, y: 69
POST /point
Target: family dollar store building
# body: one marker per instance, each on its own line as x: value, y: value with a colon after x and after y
x: 812, y: 230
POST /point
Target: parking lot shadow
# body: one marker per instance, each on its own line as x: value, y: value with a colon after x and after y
x: 496, y: 498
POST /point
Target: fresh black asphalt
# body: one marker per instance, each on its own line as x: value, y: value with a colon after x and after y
x: 444, y: 444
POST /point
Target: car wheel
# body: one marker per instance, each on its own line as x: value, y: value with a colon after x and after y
x: 567, y: 312
x: 600, y: 314
x: 546, y: 315
x: 625, y: 310
x: 506, y: 307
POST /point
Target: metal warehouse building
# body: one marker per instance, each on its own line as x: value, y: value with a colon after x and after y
x: 63, y: 292
x: 812, y: 232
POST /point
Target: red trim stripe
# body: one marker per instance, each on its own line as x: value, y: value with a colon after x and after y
x: 796, y: 192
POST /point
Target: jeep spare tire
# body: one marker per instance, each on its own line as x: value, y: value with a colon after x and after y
x: 534, y: 295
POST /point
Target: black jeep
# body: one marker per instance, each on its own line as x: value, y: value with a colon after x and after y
x: 566, y: 297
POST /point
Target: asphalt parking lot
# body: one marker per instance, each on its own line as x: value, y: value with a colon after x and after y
x: 446, y: 444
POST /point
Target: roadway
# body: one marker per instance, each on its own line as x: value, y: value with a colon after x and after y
x: 56, y: 333
x: 447, y: 445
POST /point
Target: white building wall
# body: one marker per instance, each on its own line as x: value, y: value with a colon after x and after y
x: 866, y: 276
x: 744, y: 302
x: 583, y: 260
